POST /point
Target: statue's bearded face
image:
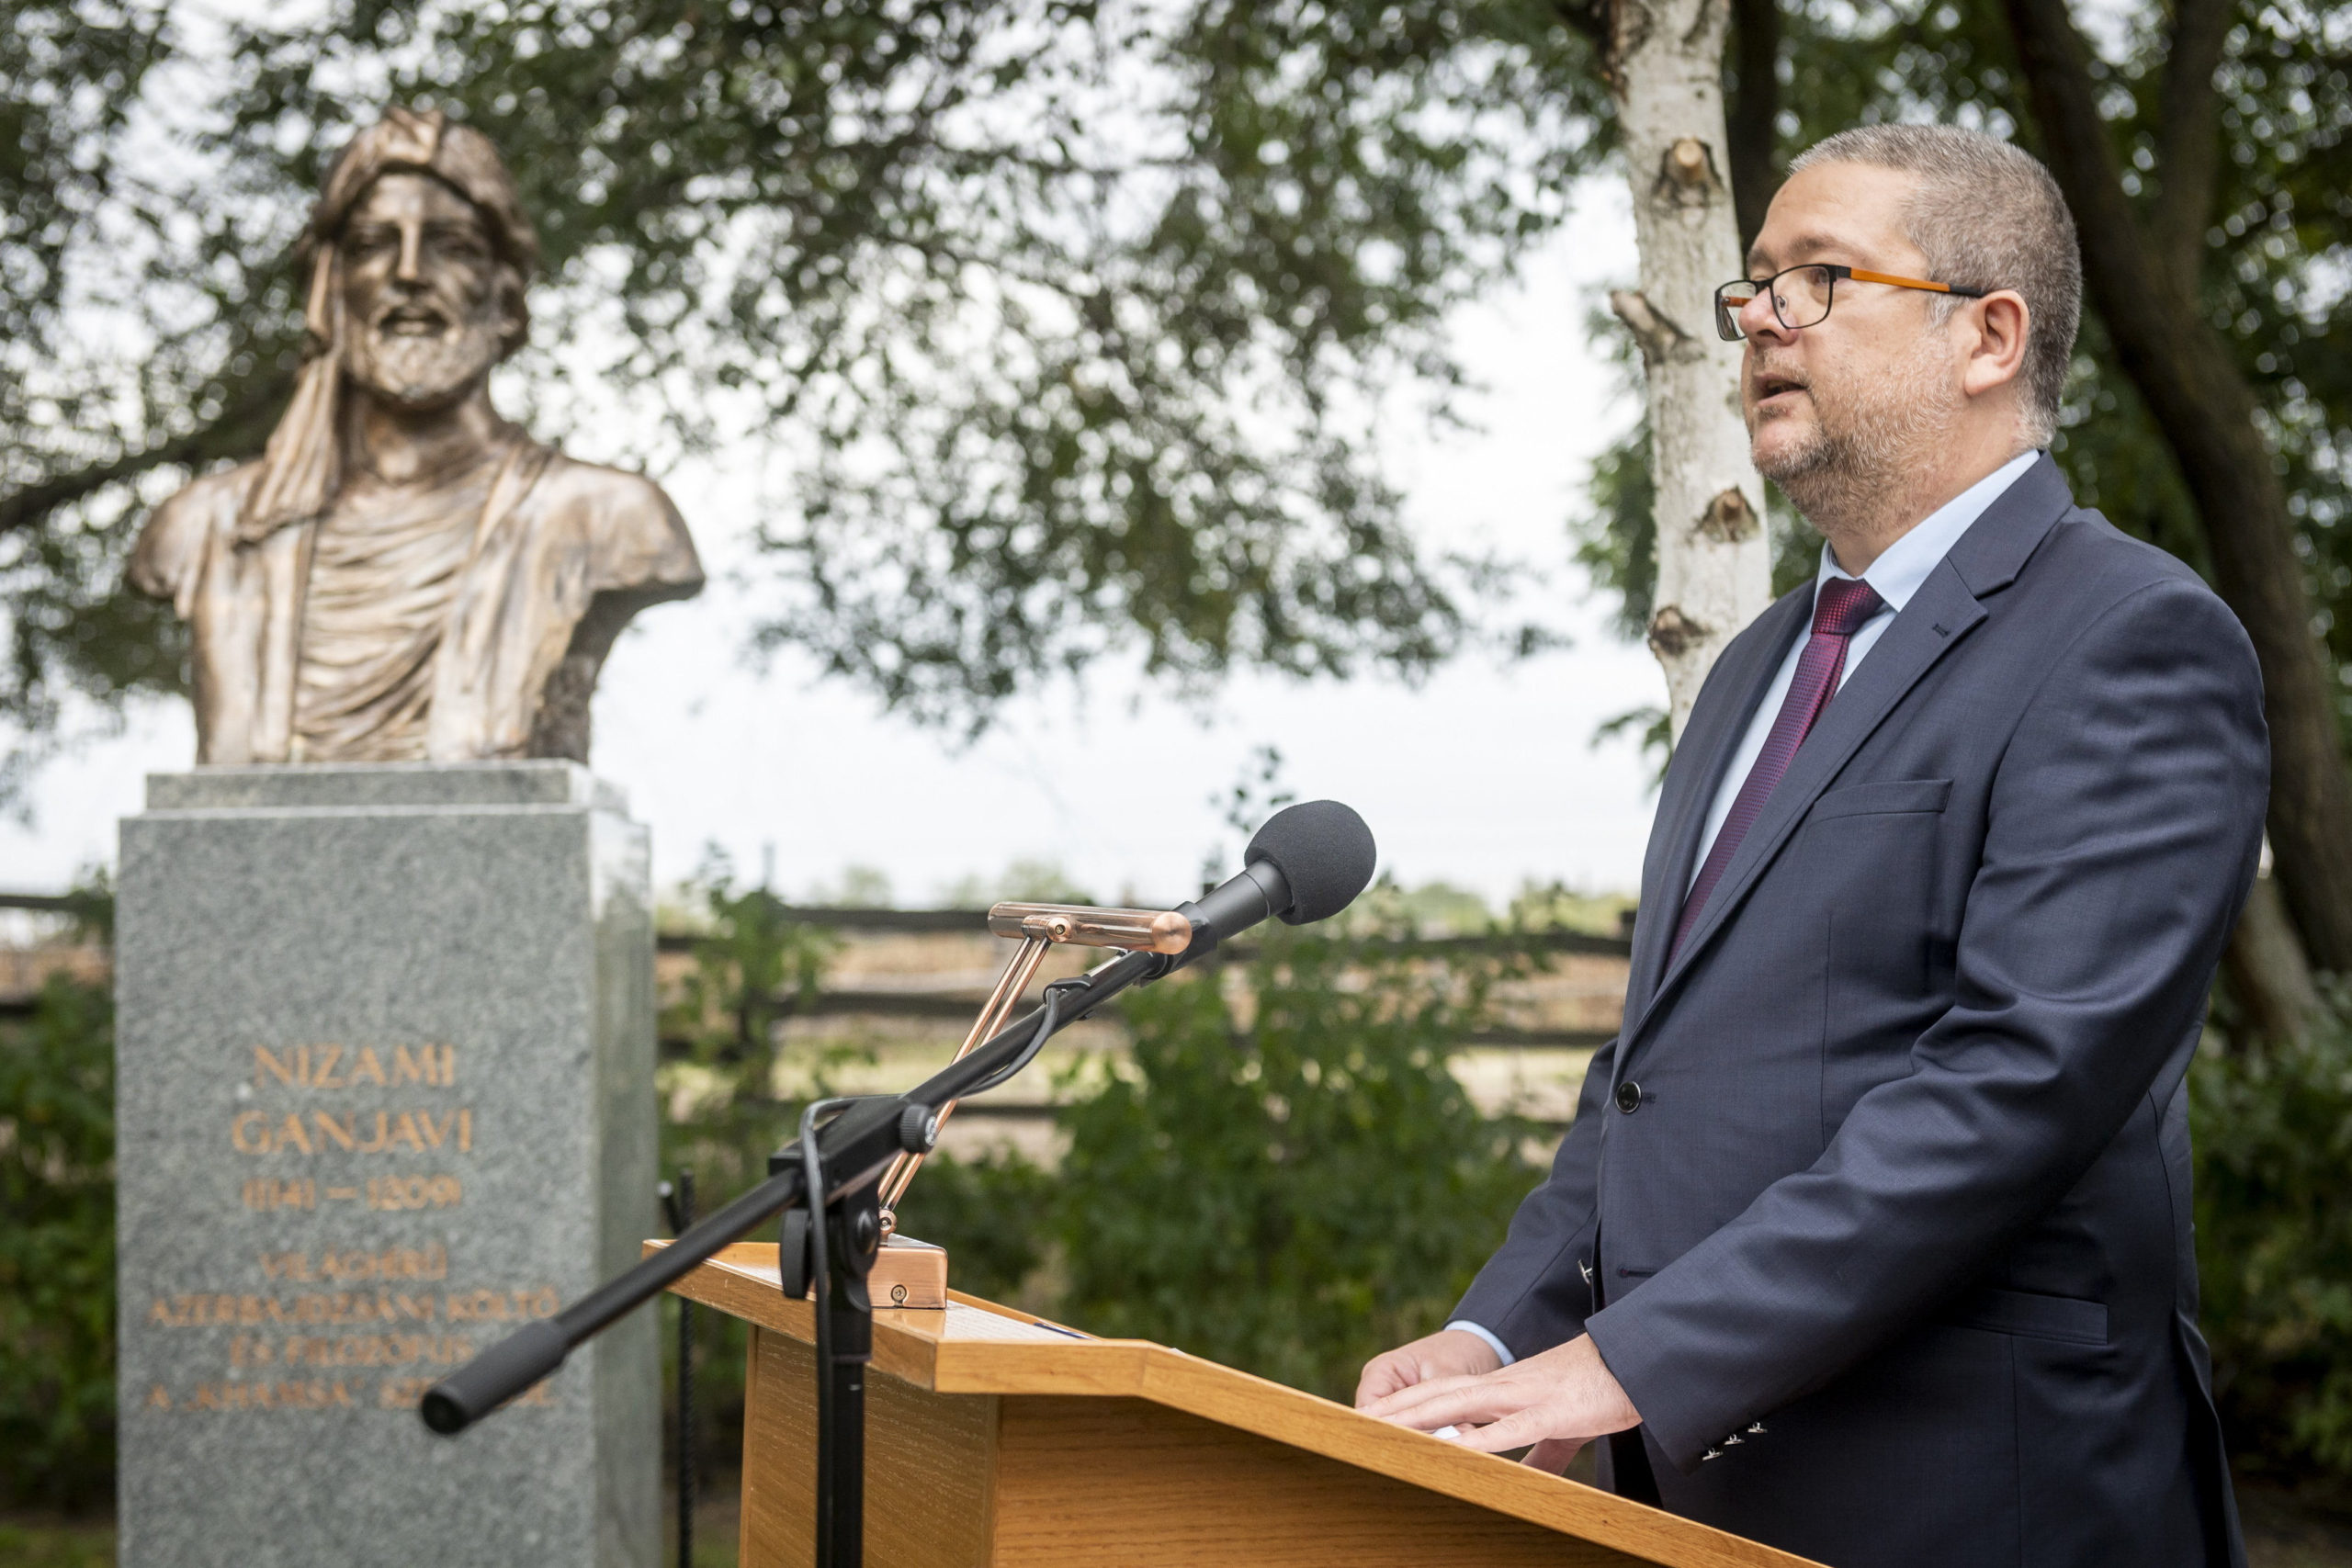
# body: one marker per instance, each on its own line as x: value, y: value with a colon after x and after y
x: 428, y: 304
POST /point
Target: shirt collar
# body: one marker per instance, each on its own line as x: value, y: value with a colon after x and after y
x: 1903, y: 565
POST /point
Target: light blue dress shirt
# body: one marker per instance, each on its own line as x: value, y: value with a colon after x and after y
x: 1897, y: 574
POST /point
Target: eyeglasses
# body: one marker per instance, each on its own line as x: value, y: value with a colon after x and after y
x: 1801, y: 295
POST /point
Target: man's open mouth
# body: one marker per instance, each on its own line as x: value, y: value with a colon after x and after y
x: 1768, y: 385
x: 412, y: 320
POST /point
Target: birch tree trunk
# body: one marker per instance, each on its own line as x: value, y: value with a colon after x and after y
x: 1714, y: 565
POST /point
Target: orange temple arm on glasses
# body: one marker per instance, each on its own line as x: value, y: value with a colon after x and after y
x: 1860, y: 275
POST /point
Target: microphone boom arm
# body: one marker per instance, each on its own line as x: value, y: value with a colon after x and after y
x: 856, y: 1145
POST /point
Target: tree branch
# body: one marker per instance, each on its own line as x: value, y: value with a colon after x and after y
x: 1654, y: 336
x: 2065, y: 102
x: 1751, y: 118
x: 2202, y: 401
x: 238, y: 432
x: 2188, y: 139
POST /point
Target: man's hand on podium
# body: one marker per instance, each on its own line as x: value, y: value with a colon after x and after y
x: 1448, y: 1353
x: 1558, y: 1401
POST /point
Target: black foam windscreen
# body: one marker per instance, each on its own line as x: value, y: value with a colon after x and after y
x: 1325, y: 853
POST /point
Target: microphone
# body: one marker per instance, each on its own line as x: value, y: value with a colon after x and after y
x: 1306, y: 864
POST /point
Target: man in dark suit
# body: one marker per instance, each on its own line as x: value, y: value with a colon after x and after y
x: 1871, y: 1238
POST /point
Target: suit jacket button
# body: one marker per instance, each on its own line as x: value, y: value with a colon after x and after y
x: 1629, y: 1098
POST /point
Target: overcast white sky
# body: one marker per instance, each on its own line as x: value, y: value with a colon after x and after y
x: 1485, y: 776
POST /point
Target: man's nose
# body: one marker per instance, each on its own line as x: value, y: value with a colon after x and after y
x: 412, y: 246
x: 1756, y: 319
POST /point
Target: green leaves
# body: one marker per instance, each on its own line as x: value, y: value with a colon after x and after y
x: 57, y: 1249
x: 1065, y: 324
x: 2273, y: 1135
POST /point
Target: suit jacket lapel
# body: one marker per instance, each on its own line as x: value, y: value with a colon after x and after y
x: 1937, y: 617
x: 1704, y: 753
x: 1987, y: 558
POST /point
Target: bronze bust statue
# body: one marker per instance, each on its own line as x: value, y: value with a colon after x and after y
x: 403, y: 575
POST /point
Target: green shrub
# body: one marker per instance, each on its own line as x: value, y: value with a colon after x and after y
x: 2273, y: 1135
x: 1289, y: 1179
x: 57, y: 1249
x: 1291, y: 1185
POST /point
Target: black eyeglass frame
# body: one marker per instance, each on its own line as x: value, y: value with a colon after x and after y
x: 1727, y: 314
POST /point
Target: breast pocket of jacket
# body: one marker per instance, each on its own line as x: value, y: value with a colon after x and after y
x: 1871, y: 858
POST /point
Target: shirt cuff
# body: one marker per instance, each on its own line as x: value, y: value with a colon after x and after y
x: 1487, y: 1334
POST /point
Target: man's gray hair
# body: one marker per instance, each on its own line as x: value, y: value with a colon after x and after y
x: 1988, y: 215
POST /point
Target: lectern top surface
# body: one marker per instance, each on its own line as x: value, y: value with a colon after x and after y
x: 978, y: 1347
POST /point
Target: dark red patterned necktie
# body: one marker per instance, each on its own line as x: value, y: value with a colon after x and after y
x: 1844, y: 606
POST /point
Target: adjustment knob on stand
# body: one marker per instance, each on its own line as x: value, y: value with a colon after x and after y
x: 918, y: 1129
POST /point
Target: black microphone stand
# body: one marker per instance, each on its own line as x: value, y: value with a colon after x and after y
x: 836, y: 1168
x: 678, y: 1205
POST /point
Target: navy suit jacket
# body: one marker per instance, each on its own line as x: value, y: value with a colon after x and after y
x: 1878, y: 1206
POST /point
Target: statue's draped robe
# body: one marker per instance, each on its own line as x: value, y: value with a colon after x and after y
x: 484, y: 582
x: 385, y: 567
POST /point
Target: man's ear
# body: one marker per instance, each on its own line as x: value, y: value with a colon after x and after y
x: 1992, y: 350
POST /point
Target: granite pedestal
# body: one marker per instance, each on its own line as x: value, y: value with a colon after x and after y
x: 385, y: 1091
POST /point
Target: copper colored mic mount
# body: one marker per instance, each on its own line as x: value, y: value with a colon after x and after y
x: 1136, y: 930
x: 1038, y: 927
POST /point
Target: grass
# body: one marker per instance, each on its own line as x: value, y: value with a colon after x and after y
x: 30, y: 1543
x: 717, y: 1520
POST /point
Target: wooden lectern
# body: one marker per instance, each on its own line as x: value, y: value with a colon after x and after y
x: 993, y: 1438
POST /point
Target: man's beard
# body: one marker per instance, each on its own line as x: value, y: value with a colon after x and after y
x: 425, y: 370
x: 1854, y: 459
